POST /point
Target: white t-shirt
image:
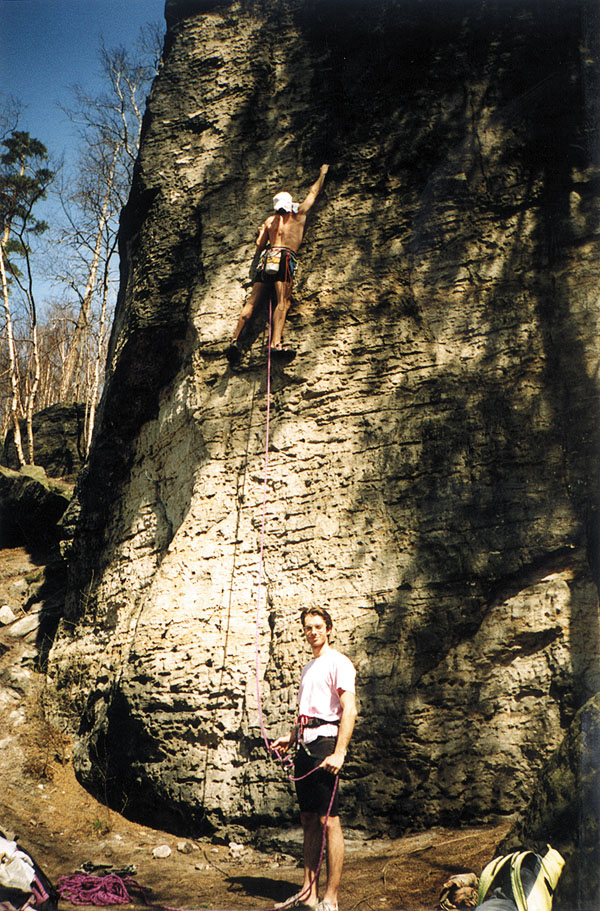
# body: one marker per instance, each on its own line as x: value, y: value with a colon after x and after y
x: 321, y: 681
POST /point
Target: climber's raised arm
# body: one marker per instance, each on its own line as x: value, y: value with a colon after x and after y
x: 314, y: 191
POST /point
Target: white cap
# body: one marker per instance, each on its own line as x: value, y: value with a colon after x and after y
x: 284, y: 201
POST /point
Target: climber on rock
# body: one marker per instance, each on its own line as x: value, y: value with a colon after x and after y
x: 277, y: 242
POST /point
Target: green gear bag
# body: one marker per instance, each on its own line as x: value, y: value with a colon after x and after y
x: 546, y: 869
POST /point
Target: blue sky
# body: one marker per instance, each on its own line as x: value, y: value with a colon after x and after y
x: 48, y: 45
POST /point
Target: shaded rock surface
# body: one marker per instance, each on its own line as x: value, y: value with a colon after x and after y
x: 31, y: 512
x: 58, y: 440
x: 30, y: 509
x: 565, y: 811
x: 433, y: 447
x: 62, y: 825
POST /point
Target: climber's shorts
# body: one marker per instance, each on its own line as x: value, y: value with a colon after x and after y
x: 276, y: 264
x: 314, y: 792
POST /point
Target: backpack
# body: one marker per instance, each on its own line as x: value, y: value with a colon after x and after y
x: 524, y: 881
x: 22, y: 883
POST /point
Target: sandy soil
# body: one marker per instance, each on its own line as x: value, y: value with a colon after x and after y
x: 63, y: 826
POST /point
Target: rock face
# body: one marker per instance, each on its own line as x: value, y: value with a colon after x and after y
x: 432, y: 449
x: 58, y: 440
x: 565, y: 811
x: 30, y: 508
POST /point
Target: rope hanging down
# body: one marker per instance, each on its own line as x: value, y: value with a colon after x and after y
x: 262, y: 533
x: 112, y: 889
x: 285, y: 760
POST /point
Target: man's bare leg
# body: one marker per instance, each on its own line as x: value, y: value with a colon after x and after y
x: 248, y: 309
x: 313, y: 836
x: 283, y: 290
x: 335, y: 858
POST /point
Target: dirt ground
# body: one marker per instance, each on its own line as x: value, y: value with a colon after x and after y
x: 53, y: 817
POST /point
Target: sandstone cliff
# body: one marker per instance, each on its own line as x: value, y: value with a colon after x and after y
x: 433, y: 446
x: 565, y: 801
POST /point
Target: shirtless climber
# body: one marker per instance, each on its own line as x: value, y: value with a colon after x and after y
x: 277, y: 242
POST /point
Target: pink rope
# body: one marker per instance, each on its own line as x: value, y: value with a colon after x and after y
x: 111, y: 889
x: 262, y: 534
x: 285, y: 760
x: 87, y: 889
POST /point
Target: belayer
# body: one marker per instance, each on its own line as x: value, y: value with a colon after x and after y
x: 326, y: 716
x: 277, y: 242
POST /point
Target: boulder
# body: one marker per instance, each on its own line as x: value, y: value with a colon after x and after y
x: 431, y: 459
x: 565, y: 811
x: 30, y: 509
x: 58, y: 441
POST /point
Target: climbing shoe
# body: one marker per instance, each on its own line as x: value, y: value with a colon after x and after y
x: 233, y: 354
x: 297, y: 903
x: 326, y: 905
x: 283, y: 354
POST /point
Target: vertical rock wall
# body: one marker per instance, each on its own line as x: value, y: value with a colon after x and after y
x: 432, y: 452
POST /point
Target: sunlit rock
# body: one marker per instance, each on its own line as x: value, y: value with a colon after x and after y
x: 432, y: 448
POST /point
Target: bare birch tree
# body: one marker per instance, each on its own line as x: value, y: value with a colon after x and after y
x: 109, y: 125
x: 12, y: 360
x: 24, y: 180
x: 58, y: 354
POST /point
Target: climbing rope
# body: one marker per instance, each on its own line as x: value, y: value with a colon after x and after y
x: 90, y: 889
x: 285, y: 760
x: 262, y: 531
x: 104, y: 890
x: 112, y: 889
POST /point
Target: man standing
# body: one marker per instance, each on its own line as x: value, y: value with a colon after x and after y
x: 277, y: 241
x: 327, y: 712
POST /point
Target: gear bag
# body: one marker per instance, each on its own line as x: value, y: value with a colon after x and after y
x: 272, y: 261
x: 22, y: 883
x: 523, y: 880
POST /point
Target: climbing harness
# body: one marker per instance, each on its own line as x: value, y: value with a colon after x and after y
x: 310, y: 721
x: 270, y: 263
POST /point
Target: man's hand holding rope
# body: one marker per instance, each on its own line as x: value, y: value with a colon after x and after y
x: 334, y: 762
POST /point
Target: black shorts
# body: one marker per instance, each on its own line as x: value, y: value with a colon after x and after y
x: 314, y: 792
